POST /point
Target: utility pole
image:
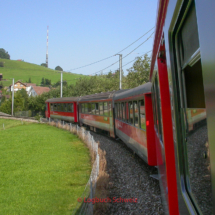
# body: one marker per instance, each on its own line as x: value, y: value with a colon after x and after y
x: 12, y: 98
x: 61, y: 85
x: 120, y: 71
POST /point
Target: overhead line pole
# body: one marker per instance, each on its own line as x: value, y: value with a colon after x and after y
x: 61, y: 85
x: 12, y: 98
x: 120, y: 71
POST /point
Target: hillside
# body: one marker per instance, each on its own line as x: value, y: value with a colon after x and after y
x: 23, y: 71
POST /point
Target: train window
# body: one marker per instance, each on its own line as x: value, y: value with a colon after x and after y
x: 126, y: 112
x: 89, y: 108
x: 116, y: 110
x: 123, y: 111
x: 105, y: 109
x: 189, y: 53
x: 101, y: 109
x: 51, y: 106
x: 120, y: 110
x: 142, y: 116
x: 158, y: 109
x: 131, y: 121
x: 192, y: 135
x: 69, y: 108
x: 97, y: 108
x: 65, y: 107
x: 86, y: 108
x: 93, y: 108
x: 55, y: 106
x: 58, y: 106
x: 154, y: 108
x: 109, y: 109
x: 82, y: 108
x: 136, y: 114
x: 72, y: 105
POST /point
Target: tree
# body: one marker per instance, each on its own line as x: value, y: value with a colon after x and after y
x: 4, y: 54
x: 43, y: 64
x: 29, y: 80
x: 58, y: 68
x: 139, y: 73
x: 47, y: 82
x: 42, y: 82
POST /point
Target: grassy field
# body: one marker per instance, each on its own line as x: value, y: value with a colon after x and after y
x: 43, y: 169
x: 23, y: 71
x: 11, y: 123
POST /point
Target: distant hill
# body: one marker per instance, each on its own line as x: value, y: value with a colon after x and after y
x: 22, y: 71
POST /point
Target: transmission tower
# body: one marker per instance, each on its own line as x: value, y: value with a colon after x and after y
x: 47, y: 46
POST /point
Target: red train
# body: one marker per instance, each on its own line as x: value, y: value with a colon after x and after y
x: 169, y: 122
x: 132, y: 120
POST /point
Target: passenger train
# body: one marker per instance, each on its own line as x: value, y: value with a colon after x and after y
x: 170, y: 121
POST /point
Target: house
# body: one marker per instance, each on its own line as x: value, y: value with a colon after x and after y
x: 28, y: 87
x: 36, y: 91
x: 17, y: 86
x: 31, y: 88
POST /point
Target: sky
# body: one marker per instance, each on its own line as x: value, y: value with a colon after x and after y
x: 81, y: 32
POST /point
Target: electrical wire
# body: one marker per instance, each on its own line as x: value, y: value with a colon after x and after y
x: 111, y: 55
x: 124, y: 56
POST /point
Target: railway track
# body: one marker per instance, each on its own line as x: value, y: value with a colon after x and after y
x: 129, y: 177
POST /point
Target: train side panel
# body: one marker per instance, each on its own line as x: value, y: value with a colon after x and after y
x: 58, y: 113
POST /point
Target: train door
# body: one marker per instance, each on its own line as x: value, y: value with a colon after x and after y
x: 191, y: 123
x: 111, y: 119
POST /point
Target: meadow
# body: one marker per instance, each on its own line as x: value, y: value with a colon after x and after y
x: 22, y: 71
x: 43, y: 169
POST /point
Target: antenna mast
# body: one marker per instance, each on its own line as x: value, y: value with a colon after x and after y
x: 47, y: 46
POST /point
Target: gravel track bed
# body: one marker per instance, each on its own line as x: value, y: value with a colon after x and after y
x: 129, y: 178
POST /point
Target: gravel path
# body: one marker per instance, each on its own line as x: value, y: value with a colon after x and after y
x: 129, y: 178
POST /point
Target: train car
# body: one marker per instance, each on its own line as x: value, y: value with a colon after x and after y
x: 134, y: 121
x: 183, y: 89
x: 62, y: 109
x: 96, y: 111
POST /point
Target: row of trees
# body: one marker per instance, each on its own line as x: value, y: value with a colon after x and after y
x: 138, y: 74
x: 56, y: 68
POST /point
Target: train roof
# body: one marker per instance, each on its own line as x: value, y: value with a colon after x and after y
x: 99, y: 96
x: 145, y: 88
x: 162, y: 9
x: 64, y: 99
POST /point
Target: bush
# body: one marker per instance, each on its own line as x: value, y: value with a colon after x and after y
x: 1, y: 64
x: 37, y: 117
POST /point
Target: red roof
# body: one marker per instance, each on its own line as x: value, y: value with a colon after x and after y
x: 41, y: 90
x: 30, y: 84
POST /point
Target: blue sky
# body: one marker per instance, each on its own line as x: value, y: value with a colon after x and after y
x: 80, y: 31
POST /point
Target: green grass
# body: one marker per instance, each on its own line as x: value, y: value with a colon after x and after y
x: 8, y: 123
x: 43, y: 170
x: 23, y: 71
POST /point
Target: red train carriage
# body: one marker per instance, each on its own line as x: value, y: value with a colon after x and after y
x: 183, y: 89
x: 62, y: 109
x: 134, y: 121
x: 96, y: 112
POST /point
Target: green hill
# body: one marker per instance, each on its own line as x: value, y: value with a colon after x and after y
x: 23, y: 71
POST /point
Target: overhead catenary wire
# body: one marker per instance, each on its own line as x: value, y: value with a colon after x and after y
x: 129, y: 61
x: 124, y: 56
x: 111, y: 55
x: 114, y: 63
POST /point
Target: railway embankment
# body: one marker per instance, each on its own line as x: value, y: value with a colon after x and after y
x: 130, y: 187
